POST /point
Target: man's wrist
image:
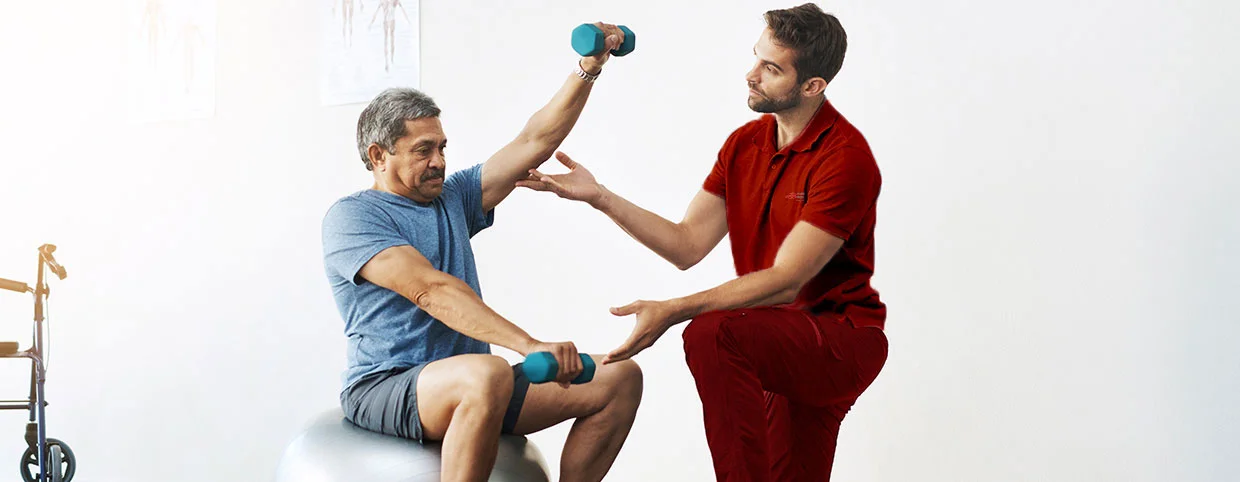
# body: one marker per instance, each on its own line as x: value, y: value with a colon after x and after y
x: 590, y: 66
x: 525, y: 346
x: 603, y: 201
x: 685, y: 308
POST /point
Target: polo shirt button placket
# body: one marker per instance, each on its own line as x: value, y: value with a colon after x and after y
x: 769, y: 183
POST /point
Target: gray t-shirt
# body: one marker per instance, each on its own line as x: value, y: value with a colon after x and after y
x: 384, y: 329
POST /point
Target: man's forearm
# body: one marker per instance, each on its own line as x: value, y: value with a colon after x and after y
x: 452, y: 302
x: 667, y: 239
x: 761, y: 288
x: 550, y: 125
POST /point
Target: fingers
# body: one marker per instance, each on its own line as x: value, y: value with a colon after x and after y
x: 547, y: 181
x: 535, y: 185
x: 555, y: 186
x: 634, y: 345
x: 626, y: 310
x: 569, y: 361
x: 565, y: 160
x: 615, y: 36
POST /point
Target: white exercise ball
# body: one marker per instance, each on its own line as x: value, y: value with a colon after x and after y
x: 332, y: 449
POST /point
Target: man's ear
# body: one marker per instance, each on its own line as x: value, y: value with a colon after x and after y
x: 377, y: 160
x: 814, y: 87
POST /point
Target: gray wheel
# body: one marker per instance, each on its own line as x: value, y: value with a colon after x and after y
x: 54, y: 456
x: 64, y: 469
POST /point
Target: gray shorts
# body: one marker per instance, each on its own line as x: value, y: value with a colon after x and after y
x: 387, y: 402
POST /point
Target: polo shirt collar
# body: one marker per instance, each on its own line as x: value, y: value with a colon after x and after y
x: 818, y: 126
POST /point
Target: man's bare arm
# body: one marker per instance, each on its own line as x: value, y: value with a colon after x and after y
x: 404, y: 270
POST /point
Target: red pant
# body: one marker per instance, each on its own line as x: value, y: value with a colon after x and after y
x: 775, y: 384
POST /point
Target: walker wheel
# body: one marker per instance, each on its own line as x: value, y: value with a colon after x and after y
x: 57, y: 452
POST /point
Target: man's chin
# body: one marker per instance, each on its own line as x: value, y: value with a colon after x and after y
x: 764, y: 106
x: 760, y: 107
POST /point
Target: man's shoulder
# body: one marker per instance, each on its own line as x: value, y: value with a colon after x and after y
x: 353, y: 202
x: 754, y: 128
x: 365, y: 206
x: 845, y: 139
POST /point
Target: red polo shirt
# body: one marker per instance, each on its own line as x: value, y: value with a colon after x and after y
x: 827, y: 177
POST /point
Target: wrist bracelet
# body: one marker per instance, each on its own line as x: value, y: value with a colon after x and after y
x: 586, y: 76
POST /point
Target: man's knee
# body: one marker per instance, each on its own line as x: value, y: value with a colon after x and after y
x: 702, y: 334
x: 628, y: 381
x: 486, y: 383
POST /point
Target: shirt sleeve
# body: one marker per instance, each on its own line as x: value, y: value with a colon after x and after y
x: 717, y: 181
x: 842, y: 193
x: 354, y: 231
x: 466, y: 188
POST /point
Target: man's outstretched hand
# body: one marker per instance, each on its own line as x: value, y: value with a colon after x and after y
x: 577, y: 185
x: 653, y: 319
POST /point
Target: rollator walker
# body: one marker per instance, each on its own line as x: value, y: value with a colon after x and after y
x: 46, y: 459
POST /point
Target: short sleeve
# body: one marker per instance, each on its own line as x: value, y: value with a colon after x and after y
x: 717, y: 181
x: 354, y: 231
x: 465, y: 187
x: 841, y: 194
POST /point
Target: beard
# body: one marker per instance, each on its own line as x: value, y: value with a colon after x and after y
x: 431, y: 174
x: 771, y: 105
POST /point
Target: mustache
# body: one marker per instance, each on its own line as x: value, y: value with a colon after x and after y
x: 432, y: 174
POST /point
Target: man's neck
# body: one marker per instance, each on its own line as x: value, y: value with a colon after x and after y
x: 790, y: 123
x: 393, y: 188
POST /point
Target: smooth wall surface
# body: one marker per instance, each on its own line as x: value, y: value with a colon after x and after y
x: 1056, y: 231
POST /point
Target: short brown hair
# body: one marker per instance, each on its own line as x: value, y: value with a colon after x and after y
x: 816, y: 36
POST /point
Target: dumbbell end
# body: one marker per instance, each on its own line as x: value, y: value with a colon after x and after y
x: 626, y: 47
x: 540, y: 367
x: 587, y: 369
x: 588, y: 40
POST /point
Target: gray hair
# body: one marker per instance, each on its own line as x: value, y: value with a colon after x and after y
x: 383, y: 121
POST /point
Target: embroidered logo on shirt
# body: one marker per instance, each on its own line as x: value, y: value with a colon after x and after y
x: 795, y: 196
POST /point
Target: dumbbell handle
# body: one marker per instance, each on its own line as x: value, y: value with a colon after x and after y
x: 541, y: 367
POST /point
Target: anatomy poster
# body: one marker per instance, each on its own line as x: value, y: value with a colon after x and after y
x: 368, y: 46
x: 171, y: 59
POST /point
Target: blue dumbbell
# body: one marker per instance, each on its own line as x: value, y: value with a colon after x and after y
x: 541, y: 367
x: 588, y: 40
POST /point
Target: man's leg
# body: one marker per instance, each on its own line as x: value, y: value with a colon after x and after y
x: 803, y: 426
x: 604, y: 410
x: 736, y: 357
x: 461, y: 400
x: 801, y: 439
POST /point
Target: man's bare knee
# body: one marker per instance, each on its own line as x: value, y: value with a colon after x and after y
x: 487, y: 384
x: 628, y: 380
x: 622, y: 387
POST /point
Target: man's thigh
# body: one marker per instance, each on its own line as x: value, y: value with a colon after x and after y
x: 548, y: 404
x: 386, y: 402
x: 443, y: 384
x: 814, y: 360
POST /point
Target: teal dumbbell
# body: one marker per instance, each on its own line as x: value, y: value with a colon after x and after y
x: 588, y: 40
x: 541, y: 367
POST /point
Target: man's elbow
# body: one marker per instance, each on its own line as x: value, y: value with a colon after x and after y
x: 685, y: 262
x: 427, y: 295
x: 789, y: 289
x: 691, y: 250
x: 786, y: 296
x: 542, y: 136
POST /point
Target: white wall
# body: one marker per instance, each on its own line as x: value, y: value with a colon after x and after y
x: 1055, y: 239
